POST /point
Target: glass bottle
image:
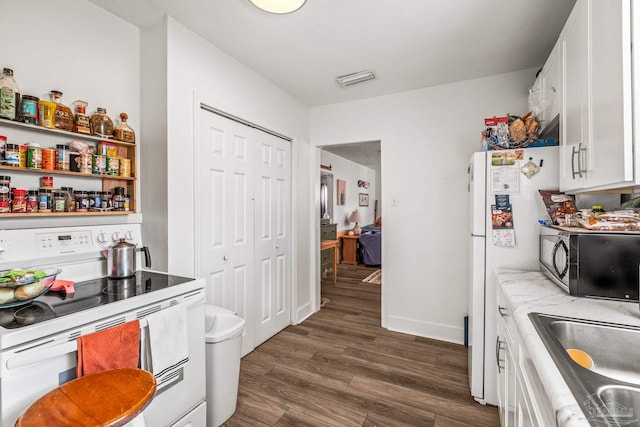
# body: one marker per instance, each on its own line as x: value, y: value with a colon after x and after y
x: 81, y: 123
x: 63, y: 117
x: 101, y: 124
x: 9, y: 96
x: 123, y: 132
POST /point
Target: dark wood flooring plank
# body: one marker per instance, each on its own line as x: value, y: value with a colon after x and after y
x: 340, y: 368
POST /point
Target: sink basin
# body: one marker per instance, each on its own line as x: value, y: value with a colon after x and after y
x: 615, y: 350
x: 608, y: 392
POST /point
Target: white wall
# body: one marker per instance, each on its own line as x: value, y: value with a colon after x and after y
x: 85, y: 52
x: 427, y: 137
x: 197, y: 70
x: 350, y: 172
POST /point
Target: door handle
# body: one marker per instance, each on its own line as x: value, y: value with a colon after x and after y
x: 498, y: 360
x: 277, y: 246
x: 503, y: 311
x: 225, y: 258
x: 575, y: 152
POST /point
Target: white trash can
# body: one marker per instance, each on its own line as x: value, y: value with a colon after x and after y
x: 223, y: 337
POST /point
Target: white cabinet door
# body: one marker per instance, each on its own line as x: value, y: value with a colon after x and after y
x: 224, y: 216
x: 574, y: 128
x: 609, y: 158
x: 596, y: 119
x: 272, y: 235
x: 551, y: 87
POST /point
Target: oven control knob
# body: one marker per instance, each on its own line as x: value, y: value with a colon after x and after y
x: 102, y: 238
x: 115, y: 237
x: 128, y: 235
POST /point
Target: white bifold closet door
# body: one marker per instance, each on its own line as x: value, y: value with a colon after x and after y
x: 243, y: 221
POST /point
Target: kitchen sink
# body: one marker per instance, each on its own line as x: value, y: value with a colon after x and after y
x: 609, y: 390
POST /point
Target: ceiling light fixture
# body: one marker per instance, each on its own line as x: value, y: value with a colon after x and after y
x: 279, y: 7
x: 355, y: 78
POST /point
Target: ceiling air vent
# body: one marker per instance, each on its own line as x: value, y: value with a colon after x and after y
x: 355, y: 78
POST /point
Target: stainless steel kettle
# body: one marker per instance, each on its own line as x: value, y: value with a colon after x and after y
x: 121, y: 259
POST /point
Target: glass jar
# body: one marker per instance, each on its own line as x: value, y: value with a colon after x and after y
x: 105, y: 199
x: 62, y: 157
x: 123, y: 132
x: 29, y: 109
x: 118, y: 199
x: 3, y: 145
x: 597, y: 210
x: 12, y: 155
x: 59, y: 201
x: 46, y: 182
x: 69, y: 199
x: 9, y: 96
x: 63, y: 117
x: 81, y: 121
x: 101, y: 124
x: 45, y: 201
x: 82, y: 201
x: 5, y: 185
x: 127, y: 205
x: 95, y: 202
x: 32, y: 201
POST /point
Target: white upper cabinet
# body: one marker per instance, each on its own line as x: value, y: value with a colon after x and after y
x: 596, y: 114
x: 551, y: 87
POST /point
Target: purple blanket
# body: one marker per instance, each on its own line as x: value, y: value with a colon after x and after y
x: 371, y: 247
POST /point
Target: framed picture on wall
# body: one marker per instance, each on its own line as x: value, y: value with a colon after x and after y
x: 363, y: 199
x: 342, y: 191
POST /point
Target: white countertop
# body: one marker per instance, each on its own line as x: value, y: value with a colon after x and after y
x: 531, y: 291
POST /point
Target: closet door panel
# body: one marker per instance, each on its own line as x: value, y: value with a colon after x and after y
x: 224, y: 215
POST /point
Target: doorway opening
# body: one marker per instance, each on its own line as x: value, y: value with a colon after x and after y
x: 350, y: 214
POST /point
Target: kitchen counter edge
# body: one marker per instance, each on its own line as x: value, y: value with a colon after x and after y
x: 531, y: 291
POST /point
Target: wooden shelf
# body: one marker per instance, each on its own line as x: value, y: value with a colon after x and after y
x: 36, y: 128
x: 43, y: 214
x: 58, y: 172
x: 125, y: 150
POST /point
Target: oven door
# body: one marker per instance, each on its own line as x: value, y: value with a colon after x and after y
x: 554, y: 258
x: 29, y: 371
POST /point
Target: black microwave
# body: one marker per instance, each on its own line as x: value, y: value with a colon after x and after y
x: 589, y: 264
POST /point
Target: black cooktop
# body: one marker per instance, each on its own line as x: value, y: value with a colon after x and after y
x: 88, y: 294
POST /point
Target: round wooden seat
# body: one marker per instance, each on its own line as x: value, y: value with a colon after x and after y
x: 108, y: 398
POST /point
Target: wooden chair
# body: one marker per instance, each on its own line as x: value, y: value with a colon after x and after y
x: 109, y: 399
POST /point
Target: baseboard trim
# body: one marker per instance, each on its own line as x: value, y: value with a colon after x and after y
x: 426, y: 329
x: 303, y: 313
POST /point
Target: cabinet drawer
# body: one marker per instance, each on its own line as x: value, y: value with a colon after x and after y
x: 328, y: 232
x: 326, y: 257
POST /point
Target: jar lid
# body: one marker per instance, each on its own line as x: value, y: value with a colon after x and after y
x: 45, y: 190
x: 34, y: 145
x: 33, y: 192
x: 119, y: 191
x: 3, y: 138
x: 11, y: 147
x: 30, y: 98
x: 69, y: 189
x: 58, y: 194
x: 5, y: 178
x: 62, y: 146
x: 19, y: 192
x: 81, y: 193
x: 596, y: 207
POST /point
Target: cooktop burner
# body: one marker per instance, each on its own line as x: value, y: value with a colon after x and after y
x: 88, y: 294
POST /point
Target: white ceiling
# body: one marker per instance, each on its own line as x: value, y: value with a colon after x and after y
x: 409, y: 43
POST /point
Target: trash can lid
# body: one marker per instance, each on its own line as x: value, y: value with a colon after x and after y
x: 221, y: 324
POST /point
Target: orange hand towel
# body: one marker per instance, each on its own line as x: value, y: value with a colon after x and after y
x: 113, y: 348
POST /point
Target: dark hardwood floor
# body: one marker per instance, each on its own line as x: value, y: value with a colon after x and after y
x: 340, y: 368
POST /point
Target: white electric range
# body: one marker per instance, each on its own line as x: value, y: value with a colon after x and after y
x: 38, y: 349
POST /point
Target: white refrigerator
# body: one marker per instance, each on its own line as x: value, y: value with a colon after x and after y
x: 494, y: 244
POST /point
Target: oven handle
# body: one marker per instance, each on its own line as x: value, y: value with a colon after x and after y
x: 40, y: 354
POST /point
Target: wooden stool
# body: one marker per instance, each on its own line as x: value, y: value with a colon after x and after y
x: 109, y: 398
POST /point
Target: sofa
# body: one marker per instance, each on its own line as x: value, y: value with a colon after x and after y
x: 371, y: 245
